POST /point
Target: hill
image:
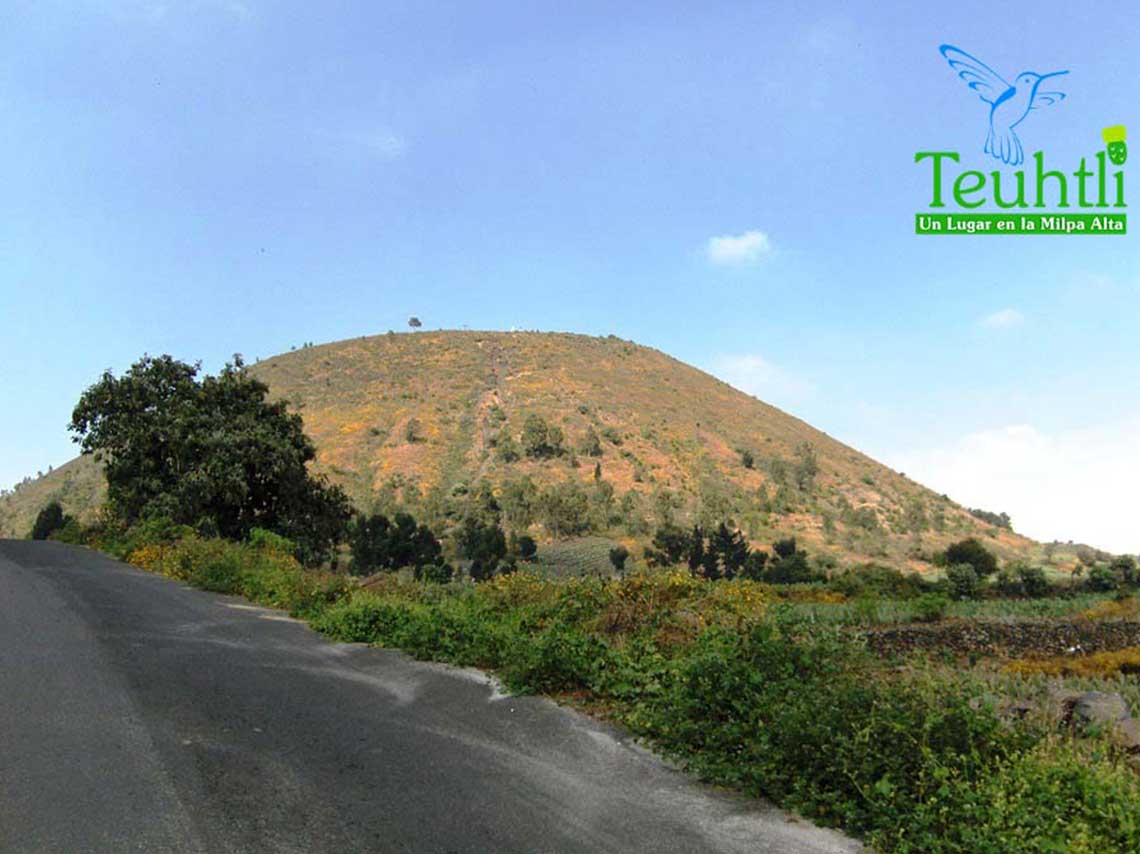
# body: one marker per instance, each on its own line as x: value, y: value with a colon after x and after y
x: 573, y: 436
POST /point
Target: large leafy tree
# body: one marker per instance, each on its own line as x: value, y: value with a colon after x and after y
x: 213, y: 449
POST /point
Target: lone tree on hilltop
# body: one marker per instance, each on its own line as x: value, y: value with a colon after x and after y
x: 414, y: 322
x: 213, y: 450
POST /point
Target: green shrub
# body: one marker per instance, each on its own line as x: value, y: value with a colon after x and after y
x: 931, y: 607
x: 611, y: 435
x: 789, y: 564
x: 70, y: 532
x: 1008, y: 583
x: 962, y: 581
x: 49, y: 520
x: 1020, y: 579
x: 540, y: 440
x: 971, y: 551
x: 1102, y: 578
x: 867, y: 608
x: 452, y: 629
x: 220, y: 574
x: 564, y: 508
x: 260, y: 538
x: 207, y: 527
x: 438, y: 573
x: 1125, y: 567
x: 155, y: 530
x: 876, y: 578
x: 558, y: 659
x: 1034, y: 583
x: 1052, y: 798
x: 363, y: 619
x: 261, y: 574
x: 591, y: 445
x: 808, y: 723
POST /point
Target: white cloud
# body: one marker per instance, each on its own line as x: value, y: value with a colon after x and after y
x: 1077, y: 484
x: 738, y: 249
x: 1003, y: 319
x: 755, y: 375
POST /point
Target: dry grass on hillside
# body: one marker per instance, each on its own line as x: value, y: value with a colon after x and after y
x: 666, y: 429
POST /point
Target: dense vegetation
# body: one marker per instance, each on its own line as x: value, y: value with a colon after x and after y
x: 776, y: 669
x: 759, y: 686
x: 747, y: 691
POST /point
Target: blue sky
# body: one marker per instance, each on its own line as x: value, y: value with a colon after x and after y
x: 732, y: 183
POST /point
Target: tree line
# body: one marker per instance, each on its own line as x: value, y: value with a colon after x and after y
x: 723, y: 553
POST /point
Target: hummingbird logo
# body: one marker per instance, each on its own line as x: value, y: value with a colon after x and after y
x: 1009, y: 103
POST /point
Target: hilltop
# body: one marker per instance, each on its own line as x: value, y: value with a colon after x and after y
x: 436, y: 420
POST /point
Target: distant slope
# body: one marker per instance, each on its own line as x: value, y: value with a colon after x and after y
x: 672, y: 437
x: 78, y: 485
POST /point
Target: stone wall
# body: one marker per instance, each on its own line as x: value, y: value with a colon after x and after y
x: 1013, y: 638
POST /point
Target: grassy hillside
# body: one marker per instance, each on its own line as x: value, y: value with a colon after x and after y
x: 78, y: 485
x: 419, y: 418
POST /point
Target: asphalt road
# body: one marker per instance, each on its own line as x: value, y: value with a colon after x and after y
x: 139, y: 715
